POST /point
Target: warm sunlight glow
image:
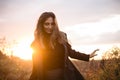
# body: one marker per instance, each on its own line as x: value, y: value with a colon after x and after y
x: 23, y: 50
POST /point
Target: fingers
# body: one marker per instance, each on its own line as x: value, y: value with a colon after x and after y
x: 97, y: 49
x: 94, y: 53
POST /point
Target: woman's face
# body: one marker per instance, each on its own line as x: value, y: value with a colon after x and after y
x: 48, y: 25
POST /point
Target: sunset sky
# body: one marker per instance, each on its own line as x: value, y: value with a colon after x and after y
x: 88, y: 23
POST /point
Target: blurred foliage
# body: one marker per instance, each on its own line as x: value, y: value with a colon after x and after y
x: 110, y: 65
x: 106, y: 69
x: 13, y: 68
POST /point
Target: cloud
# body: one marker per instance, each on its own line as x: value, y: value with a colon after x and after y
x: 105, y: 31
x: 81, y: 11
x: 21, y: 15
x: 68, y: 12
x: 105, y: 38
x: 110, y: 37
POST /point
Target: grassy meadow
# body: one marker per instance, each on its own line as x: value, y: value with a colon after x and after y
x: 14, y: 68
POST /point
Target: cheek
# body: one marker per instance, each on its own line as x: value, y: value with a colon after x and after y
x: 45, y: 27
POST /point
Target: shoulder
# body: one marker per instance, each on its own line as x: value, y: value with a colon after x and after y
x: 66, y: 39
x: 34, y: 44
x: 63, y: 34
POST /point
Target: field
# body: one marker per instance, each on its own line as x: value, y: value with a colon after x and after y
x: 14, y: 68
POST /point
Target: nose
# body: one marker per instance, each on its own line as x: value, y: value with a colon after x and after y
x: 49, y: 26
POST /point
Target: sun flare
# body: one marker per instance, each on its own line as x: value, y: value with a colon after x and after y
x: 23, y: 50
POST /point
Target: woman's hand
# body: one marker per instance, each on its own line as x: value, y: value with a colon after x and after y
x: 93, y: 53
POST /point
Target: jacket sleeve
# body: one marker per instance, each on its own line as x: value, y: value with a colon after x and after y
x: 37, y: 70
x: 77, y: 55
x: 74, y: 54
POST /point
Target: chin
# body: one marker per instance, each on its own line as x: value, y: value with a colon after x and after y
x: 49, y: 32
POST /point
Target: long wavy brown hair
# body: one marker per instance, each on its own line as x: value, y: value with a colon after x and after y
x: 56, y: 35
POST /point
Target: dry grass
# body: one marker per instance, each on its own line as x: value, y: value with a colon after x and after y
x: 106, y: 69
x: 14, y: 68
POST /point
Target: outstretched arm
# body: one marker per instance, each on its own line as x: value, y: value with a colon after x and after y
x: 77, y: 55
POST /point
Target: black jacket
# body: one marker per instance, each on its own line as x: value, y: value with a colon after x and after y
x: 70, y: 71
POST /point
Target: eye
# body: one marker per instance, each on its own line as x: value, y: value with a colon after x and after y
x: 46, y: 24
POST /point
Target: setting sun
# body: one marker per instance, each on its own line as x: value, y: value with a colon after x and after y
x: 23, y: 50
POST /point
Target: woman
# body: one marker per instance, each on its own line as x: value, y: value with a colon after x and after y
x: 51, y: 52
